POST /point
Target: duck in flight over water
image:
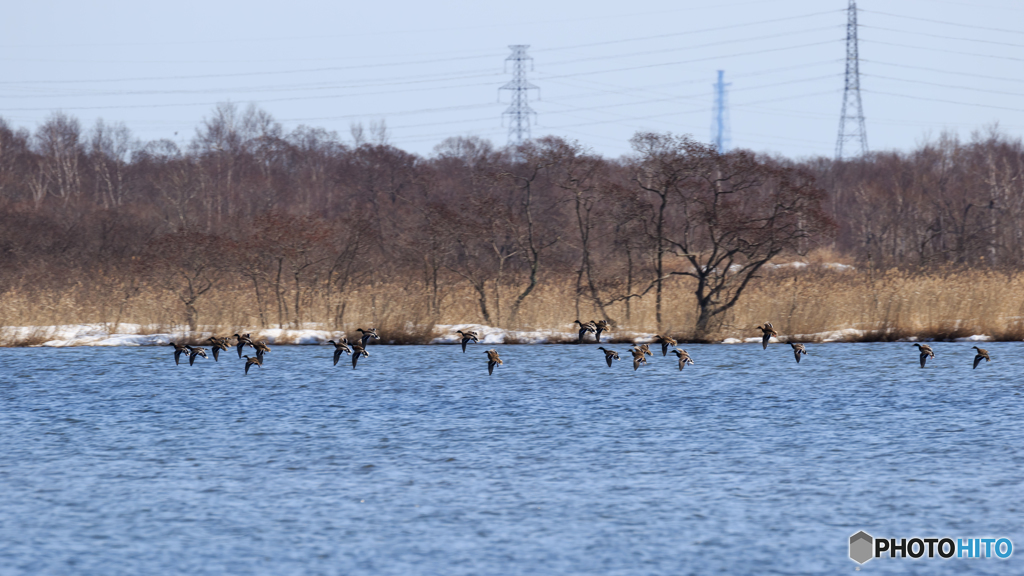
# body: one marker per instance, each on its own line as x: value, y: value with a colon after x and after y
x: 492, y: 361
x: 684, y: 358
x: 639, y: 357
x: 367, y: 334
x: 358, y: 351
x: 194, y: 351
x: 178, y: 349
x: 666, y: 342
x: 249, y: 361
x: 584, y: 328
x: 982, y: 353
x: 926, y: 353
x: 767, y: 333
x: 798, y: 349
x: 243, y: 341
x: 609, y: 355
x: 467, y: 337
x: 339, y: 348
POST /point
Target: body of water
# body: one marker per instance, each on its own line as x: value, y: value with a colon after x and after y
x: 116, y: 461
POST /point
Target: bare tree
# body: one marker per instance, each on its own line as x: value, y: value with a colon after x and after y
x: 736, y: 213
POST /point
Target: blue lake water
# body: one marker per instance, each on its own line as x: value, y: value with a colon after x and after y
x: 116, y: 461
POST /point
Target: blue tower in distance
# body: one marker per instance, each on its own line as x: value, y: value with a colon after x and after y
x: 720, y: 117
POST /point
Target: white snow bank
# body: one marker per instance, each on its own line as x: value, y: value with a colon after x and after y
x: 137, y: 335
x: 834, y: 266
x: 492, y: 335
x: 975, y: 338
x: 83, y: 335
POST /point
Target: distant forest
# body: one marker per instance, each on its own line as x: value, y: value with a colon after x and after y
x: 298, y: 220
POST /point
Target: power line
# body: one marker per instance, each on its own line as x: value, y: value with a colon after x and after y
x: 958, y: 24
x: 692, y: 61
x: 958, y: 53
x: 944, y: 71
x: 691, y: 47
x: 946, y: 101
x: 944, y: 85
x: 688, y: 32
x: 942, y: 37
x: 235, y: 74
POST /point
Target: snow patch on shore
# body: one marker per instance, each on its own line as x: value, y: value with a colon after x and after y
x: 138, y: 335
x: 975, y: 338
x: 492, y: 335
x: 141, y: 335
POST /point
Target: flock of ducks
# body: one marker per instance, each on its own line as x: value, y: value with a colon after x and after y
x: 217, y: 344
x: 357, y: 348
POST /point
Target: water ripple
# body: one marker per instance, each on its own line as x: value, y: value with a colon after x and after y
x: 116, y: 461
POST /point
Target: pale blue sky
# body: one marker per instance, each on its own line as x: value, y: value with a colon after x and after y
x: 605, y: 69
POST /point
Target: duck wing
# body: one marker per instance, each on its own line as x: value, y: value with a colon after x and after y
x: 337, y: 354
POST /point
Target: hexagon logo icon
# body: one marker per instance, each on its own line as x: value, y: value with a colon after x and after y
x: 861, y: 547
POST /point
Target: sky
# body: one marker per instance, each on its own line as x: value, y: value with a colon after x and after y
x: 604, y: 70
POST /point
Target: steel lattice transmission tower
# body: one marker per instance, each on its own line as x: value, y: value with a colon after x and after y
x: 851, y: 120
x: 519, y: 110
x: 719, y: 116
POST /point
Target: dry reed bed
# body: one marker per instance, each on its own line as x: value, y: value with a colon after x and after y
x: 882, y: 306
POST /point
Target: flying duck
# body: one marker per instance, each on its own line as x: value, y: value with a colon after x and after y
x: 609, y: 355
x: 638, y: 357
x: 665, y: 343
x: 492, y: 360
x: 178, y: 349
x: 767, y: 333
x: 467, y: 337
x: 250, y: 361
x: 584, y: 328
x: 243, y: 341
x: 798, y: 349
x: 684, y: 358
x: 340, y: 347
x: 926, y: 353
x: 357, y: 351
x: 367, y: 334
x: 194, y: 351
x: 982, y: 353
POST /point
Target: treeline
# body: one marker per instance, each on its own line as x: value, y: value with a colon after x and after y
x: 296, y: 227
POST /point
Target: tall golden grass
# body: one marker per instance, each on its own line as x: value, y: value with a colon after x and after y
x: 805, y: 304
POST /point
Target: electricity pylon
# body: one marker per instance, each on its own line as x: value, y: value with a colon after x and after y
x: 519, y: 110
x: 851, y: 119
x: 719, y: 118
